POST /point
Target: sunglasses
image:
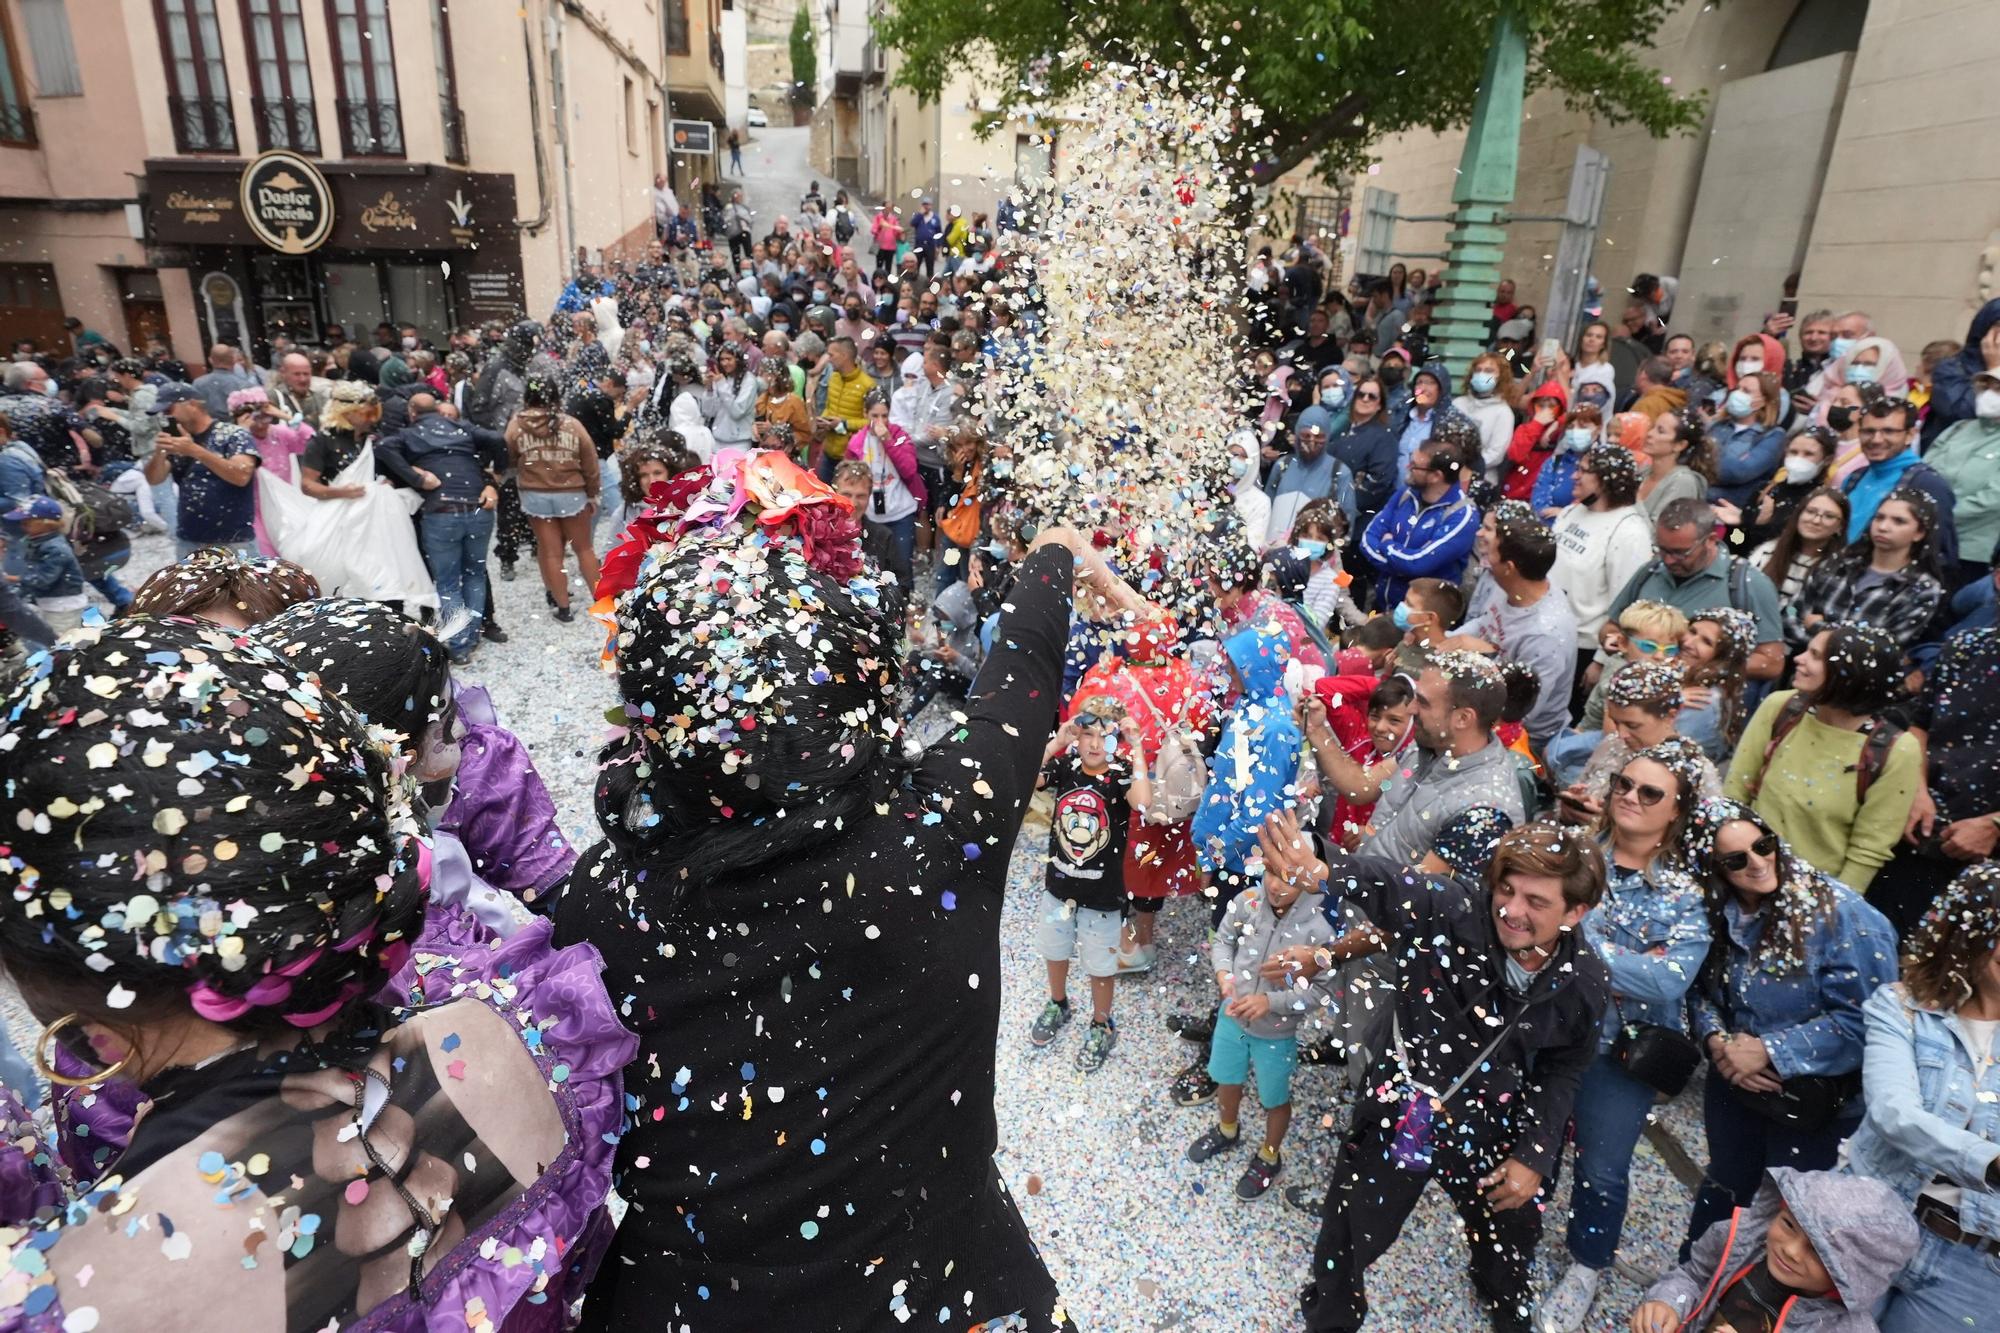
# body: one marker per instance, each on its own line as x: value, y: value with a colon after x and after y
x: 1653, y: 647
x: 1733, y: 862
x: 1648, y: 794
x: 1368, y: 394
x: 1094, y: 720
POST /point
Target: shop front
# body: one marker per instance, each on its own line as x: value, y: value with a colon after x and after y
x: 284, y: 244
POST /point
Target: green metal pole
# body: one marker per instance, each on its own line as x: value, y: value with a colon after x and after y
x: 1477, y: 240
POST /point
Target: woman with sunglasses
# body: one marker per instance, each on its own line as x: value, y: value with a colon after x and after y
x: 1823, y: 764
x: 1777, y: 1006
x: 1651, y: 928
x: 1368, y: 448
x: 1932, y: 1127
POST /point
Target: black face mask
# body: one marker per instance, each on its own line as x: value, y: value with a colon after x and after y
x: 1392, y: 375
x: 1840, y: 418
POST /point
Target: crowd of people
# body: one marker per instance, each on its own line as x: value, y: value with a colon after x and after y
x: 1542, y: 733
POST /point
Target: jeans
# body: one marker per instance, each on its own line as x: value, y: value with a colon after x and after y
x: 247, y: 548
x: 1947, y: 1285
x: 455, y: 549
x: 610, y: 503
x: 20, y: 618
x: 1611, y: 1112
x: 904, y: 530
x: 1742, y: 1145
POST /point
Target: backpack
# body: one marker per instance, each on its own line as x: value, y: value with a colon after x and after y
x: 1879, y: 738
x: 91, y: 512
x: 1179, y: 773
x: 843, y: 226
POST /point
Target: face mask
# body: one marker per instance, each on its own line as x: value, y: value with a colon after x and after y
x: 1003, y: 468
x: 819, y: 295
x: 998, y: 550
x: 1839, y: 347
x: 779, y: 326
x: 50, y: 388
x: 1987, y: 405
x: 1393, y: 375
x: 1401, y: 615
x: 1312, y: 550
x: 1863, y: 374
x: 1737, y: 404
x: 1840, y: 418
x: 1483, y: 382
x: 1798, y: 470
x: 902, y: 316
x: 1239, y: 468
x: 1576, y: 439
x: 1748, y: 366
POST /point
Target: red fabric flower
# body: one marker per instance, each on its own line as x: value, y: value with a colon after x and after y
x: 832, y: 538
x: 660, y: 521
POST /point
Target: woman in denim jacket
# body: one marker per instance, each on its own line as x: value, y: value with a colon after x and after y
x: 1932, y: 1131
x: 1652, y: 931
x: 1777, y: 1008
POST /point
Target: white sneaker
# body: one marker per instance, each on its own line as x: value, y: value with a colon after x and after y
x: 1568, y: 1304
x: 1140, y: 959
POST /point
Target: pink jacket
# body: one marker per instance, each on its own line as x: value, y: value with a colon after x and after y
x: 902, y: 455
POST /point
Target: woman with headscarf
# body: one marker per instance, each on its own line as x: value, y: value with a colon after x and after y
x: 806, y: 923
x: 328, y: 1161
x: 1777, y: 1006
x: 1870, y: 361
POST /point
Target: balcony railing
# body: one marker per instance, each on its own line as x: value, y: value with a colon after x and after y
x: 202, y: 124
x: 17, y: 125
x: 287, y: 122
x: 715, y: 50
x: 454, y: 133
x: 370, y: 129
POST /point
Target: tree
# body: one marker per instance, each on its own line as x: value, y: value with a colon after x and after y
x: 805, y: 61
x: 1331, y: 77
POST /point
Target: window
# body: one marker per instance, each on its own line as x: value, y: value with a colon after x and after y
x: 49, y: 43
x: 17, y: 123
x: 197, y: 84
x: 274, y: 31
x: 631, y: 120
x: 677, y: 27
x: 371, y: 122
x: 31, y: 306
x: 447, y: 81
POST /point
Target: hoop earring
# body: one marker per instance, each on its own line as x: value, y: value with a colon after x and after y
x: 48, y: 1071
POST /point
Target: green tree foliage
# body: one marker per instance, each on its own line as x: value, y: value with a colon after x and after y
x: 805, y: 61
x: 1331, y: 76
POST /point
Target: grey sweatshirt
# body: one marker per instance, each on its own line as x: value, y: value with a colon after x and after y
x: 1251, y: 932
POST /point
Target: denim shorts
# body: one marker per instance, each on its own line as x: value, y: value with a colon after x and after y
x: 1084, y: 931
x: 553, y: 504
x: 1235, y: 1051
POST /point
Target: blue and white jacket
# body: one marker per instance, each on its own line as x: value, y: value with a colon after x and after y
x: 1412, y: 540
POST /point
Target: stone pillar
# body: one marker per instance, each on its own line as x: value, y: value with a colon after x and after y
x: 1478, y: 237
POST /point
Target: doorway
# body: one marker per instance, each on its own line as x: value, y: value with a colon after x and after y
x: 145, y: 307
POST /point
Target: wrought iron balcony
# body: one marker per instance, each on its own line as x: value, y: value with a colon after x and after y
x: 17, y: 124
x: 286, y: 122
x: 454, y: 133
x: 202, y: 124
x: 370, y: 129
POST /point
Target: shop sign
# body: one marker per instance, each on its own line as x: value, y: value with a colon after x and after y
x: 197, y: 207
x: 388, y: 213
x: 287, y: 203
x: 691, y: 136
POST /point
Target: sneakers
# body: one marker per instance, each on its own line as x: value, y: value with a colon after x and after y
x: 1139, y: 960
x: 1097, y: 1044
x: 1197, y: 1028
x: 507, y: 570
x: 460, y: 656
x: 1053, y: 1018
x: 1213, y: 1144
x: 1305, y: 1199
x: 492, y: 633
x: 1257, y: 1177
x: 1568, y: 1303
x: 1192, y: 1086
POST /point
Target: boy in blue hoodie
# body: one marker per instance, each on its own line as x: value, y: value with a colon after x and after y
x: 46, y: 565
x: 1253, y: 770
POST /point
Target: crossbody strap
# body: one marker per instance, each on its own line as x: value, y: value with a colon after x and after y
x: 1403, y: 1057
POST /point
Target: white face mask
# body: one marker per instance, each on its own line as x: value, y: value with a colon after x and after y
x: 1987, y: 405
x: 1800, y: 470
x: 1748, y: 366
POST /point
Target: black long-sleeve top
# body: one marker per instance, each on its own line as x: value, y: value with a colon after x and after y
x: 1452, y: 999
x: 811, y: 1114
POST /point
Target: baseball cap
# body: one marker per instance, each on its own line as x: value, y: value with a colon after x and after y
x: 169, y: 394
x: 1515, y: 330
x: 42, y: 506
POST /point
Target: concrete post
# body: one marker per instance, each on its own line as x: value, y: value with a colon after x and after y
x: 1486, y: 171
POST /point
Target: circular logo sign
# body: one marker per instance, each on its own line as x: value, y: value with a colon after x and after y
x: 287, y: 203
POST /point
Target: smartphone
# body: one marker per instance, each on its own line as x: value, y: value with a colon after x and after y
x: 1551, y: 349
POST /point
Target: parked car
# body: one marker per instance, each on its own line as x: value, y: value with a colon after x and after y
x: 758, y: 120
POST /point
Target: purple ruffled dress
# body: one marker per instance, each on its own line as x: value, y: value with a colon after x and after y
x: 522, y: 1266
x: 501, y: 810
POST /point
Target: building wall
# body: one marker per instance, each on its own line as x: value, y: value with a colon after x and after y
x: 1910, y: 212
x: 735, y: 73
x: 1910, y: 205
